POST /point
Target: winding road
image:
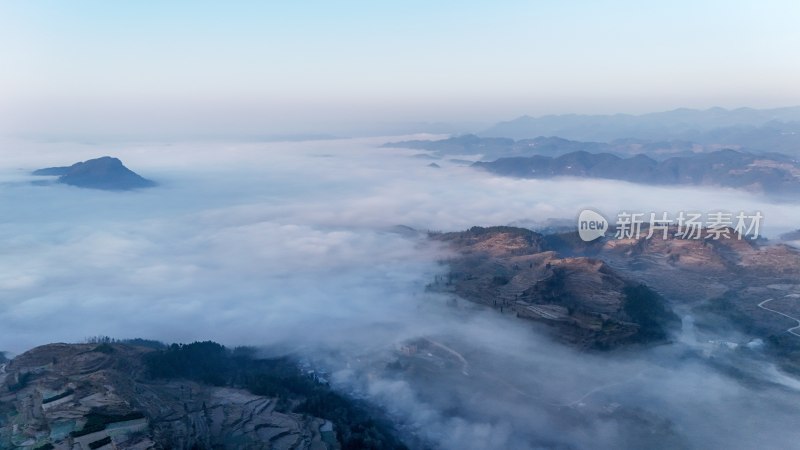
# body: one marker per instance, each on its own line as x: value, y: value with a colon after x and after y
x: 790, y: 330
x: 464, y: 363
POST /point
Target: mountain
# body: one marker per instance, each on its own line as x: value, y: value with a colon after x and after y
x: 490, y: 148
x: 615, y: 292
x: 773, y: 173
x: 121, y: 396
x: 791, y: 236
x: 104, y: 173
x: 676, y: 124
x: 583, y: 300
x: 749, y: 285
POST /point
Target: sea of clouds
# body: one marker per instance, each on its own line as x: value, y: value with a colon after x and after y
x: 292, y: 245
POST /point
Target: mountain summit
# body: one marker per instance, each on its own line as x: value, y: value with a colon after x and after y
x: 105, y: 173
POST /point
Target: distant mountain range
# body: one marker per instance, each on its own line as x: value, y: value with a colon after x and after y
x: 634, y: 160
x: 775, y: 174
x: 758, y: 129
x: 104, y: 173
x: 494, y: 147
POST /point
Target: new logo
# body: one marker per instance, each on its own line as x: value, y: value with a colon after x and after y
x: 591, y: 225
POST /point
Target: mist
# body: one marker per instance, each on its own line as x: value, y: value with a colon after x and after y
x: 290, y: 246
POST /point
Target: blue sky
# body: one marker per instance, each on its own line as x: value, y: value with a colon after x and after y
x: 298, y: 65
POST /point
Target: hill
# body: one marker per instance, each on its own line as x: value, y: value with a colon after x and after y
x: 104, y: 173
x: 200, y: 395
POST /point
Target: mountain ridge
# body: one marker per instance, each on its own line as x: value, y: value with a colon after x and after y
x: 774, y: 174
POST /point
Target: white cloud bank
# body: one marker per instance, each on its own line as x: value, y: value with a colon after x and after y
x: 276, y: 243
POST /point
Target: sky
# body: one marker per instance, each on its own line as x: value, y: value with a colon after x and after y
x: 317, y: 66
